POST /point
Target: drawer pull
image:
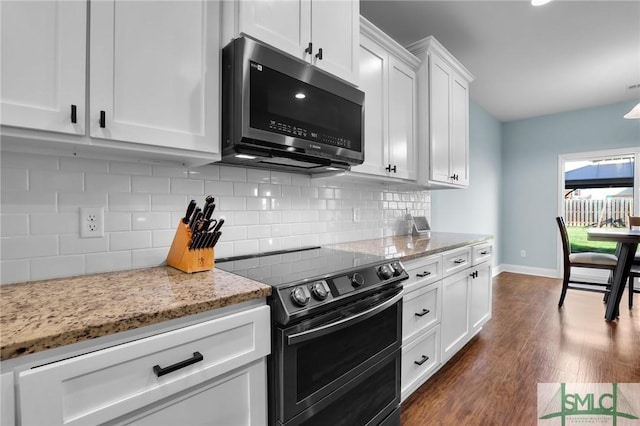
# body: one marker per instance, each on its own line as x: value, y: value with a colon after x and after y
x: 423, y: 313
x: 197, y: 357
x: 423, y: 274
x: 74, y: 114
x: 422, y: 360
x: 484, y: 252
x: 459, y: 261
x: 474, y: 274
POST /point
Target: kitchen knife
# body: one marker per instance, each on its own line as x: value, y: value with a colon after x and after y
x: 193, y: 217
x: 208, y: 210
x: 193, y: 242
x: 218, y: 226
x: 190, y: 208
x: 216, y: 238
x: 210, y: 237
x: 196, y: 219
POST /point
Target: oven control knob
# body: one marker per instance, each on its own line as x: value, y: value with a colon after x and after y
x: 385, y: 272
x: 319, y: 291
x: 300, y: 296
x: 397, y: 268
x: 357, y: 280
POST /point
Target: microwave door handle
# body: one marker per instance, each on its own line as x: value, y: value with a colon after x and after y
x: 294, y: 339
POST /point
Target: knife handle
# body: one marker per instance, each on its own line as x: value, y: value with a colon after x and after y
x: 216, y: 238
x: 190, y: 208
x: 195, y: 220
x: 218, y: 226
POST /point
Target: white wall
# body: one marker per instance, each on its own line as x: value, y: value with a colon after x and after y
x: 263, y: 211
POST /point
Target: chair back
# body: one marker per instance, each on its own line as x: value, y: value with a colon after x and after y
x: 634, y: 221
x: 564, y: 236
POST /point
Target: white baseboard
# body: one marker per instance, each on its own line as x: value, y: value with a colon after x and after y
x: 528, y: 270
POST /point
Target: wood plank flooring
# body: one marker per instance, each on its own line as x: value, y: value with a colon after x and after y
x: 493, y: 379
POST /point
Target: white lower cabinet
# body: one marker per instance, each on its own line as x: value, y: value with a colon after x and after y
x: 447, y: 301
x: 213, y: 372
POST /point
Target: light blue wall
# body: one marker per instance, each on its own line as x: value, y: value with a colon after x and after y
x: 530, y: 150
x: 477, y: 208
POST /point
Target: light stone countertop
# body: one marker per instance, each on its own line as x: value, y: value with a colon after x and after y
x: 40, y: 315
x: 408, y: 247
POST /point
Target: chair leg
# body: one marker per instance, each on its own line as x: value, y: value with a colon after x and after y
x: 630, y: 290
x: 565, y: 286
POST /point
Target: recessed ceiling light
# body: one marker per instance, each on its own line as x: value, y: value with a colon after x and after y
x: 245, y: 156
x: 539, y: 2
x: 300, y: 95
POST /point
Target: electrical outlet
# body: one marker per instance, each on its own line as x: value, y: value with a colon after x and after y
x: 91, y: 222
x: 357, y: 216
x: 523, y: 253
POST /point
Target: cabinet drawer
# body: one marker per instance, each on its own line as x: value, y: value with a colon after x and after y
x: 456, y: 260
x: 422, y: 272
x: 419, y: 360
x: 481, y: 253
x: 102, y: 385
x: 420, y: 310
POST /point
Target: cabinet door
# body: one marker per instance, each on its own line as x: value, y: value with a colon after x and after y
x: 155, y: 73
x: 455, y: 313
x: 440, y: 76
x: 402, y: 110
x: 374, y: 83
x: 285, y: 25
x: 44, y: 64
x: 480, y: 305
x: 335, y: 28
x: 459, y: 148
x: 238, y: 398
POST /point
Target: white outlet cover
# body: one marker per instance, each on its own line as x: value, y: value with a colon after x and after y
x: 91, y: 222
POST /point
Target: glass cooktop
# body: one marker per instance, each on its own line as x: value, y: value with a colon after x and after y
x: 286, y: 267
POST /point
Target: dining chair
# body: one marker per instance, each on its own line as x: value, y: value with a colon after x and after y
x: 591, y: 260
x: 634, y: 222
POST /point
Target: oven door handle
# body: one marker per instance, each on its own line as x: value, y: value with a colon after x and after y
x: 346, y: 322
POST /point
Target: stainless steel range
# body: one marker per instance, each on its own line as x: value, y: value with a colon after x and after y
x: 336, y: 335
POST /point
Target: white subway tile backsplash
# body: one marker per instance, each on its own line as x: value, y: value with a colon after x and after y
x: 123, y: 202
x: 263, y: 210
x: 114, y: 222
x: 242, y: 189
x: 218, y: 189
x: 27, y: 202
x: 14, y: 179
x: 75, y: 164
x: 56, y: 267
x: 26, y: 247
x: 14, y: 225
x: 28, y: 161
x: 150, y: 221
x: 106, y: 262
x: 258, y: 176
x: 14, y: 271
x: 170, y: 171
x: 54, y: 223
x: 72, y: 201
x: 133, y: 169
x: 107, y: 183
x: 187, y: 186
x: 148, y: 258
x: 44, y: 180
x: 233, y: 174
x: 73, y: 244
x: 150, y: 185
x: 129, y: 240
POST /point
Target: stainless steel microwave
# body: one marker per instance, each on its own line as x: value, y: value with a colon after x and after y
x: 279, y: 112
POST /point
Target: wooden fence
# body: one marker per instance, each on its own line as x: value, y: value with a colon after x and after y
x: 597, y: 213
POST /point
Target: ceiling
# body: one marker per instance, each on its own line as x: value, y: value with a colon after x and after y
x: 528, y: 61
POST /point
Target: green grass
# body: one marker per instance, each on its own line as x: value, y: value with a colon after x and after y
x: 580, y: 243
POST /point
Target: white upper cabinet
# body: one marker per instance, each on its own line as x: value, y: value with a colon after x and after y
x: 443, y: 111
x: 154, y: 73
x: 387, y: 76
x: 44, y: 65
x: 324, y: 33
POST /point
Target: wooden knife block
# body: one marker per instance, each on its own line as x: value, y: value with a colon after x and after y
x: 180, y: 257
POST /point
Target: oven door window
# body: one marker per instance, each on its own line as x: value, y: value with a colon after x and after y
x: 316, y: 367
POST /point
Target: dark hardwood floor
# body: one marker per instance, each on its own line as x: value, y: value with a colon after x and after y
x: 493, y: 379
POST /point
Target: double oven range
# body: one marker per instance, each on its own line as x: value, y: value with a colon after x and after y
x: 336, y: 335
